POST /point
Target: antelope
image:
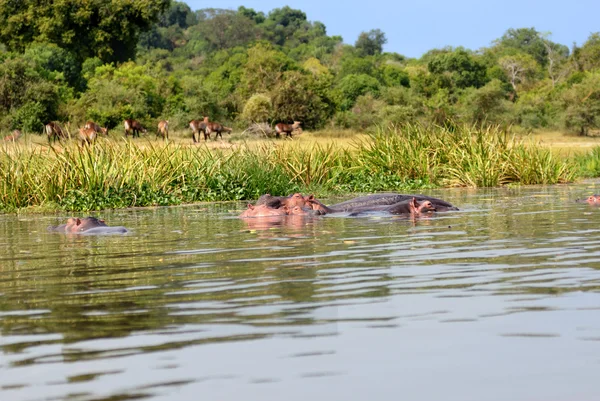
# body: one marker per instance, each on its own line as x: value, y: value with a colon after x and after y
x: 55, y: 131
x: 163, y: 129
x: 287, y: 128
x: 15, y: 135
x: 197, y: 126
x: 217, y: 129
x: 87, y: 135
x: 98, y: 129
x: 134, y: 127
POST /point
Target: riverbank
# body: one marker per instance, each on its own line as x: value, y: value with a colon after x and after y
x: 118, y: 173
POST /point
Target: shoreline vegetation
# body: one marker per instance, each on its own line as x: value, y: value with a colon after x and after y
x: 372, y: 120
x: 118, y: 173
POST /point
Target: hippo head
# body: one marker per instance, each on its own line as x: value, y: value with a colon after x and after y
x: 593, y: 200
x: 296, y: 200
x: 316, y: 205
x: 426, y: 206
x: 262, y: 211
x: 77, y: 225
x: 417, y: 208
x: 299, y: 211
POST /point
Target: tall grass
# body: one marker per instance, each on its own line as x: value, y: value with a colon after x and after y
x: 462, y: 156
x: 114, y: 174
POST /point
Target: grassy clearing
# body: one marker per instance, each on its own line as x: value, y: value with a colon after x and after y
x: 116, y: 173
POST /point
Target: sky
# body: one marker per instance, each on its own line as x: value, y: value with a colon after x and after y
x: 414, y: 27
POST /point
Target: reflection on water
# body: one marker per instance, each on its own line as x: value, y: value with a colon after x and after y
x: 497, y: 301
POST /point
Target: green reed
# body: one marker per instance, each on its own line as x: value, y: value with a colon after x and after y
x: 462, y: 156
x: 589, y: 163
x: 116, y: 174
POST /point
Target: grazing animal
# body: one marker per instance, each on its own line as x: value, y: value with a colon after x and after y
x: 287, y: 128
x: 197, y: 126
x: 98, y: 129
x: 134, y: 127
x: 217, y: 129
x: 87, y: 135
x: 14, y: 136
x: 163, y: 129
x: 55, y: 131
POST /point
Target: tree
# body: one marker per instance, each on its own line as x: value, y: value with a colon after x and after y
x: 257, y: 109
x: 264, y: 69
x: 106, y: 29
x: 370, y: 43
x: 486, y: 104
x: 224, y: 29
x: 582, y: 104
x: 282, y: 23
x: 527, y: 40
x: 588, y: 55
x: 457, y: 68
x: 517, y: 67
x: 354, y: 85
x: 178, y: 14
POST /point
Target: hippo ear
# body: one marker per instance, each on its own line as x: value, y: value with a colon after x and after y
x: 413, y: 206
x: 310, y: 197
x: 250, y: 206
x: 78, y: 222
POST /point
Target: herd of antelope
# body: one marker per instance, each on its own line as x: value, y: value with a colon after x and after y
x: 88, y: 133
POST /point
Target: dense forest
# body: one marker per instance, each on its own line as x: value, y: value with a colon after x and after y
x: 154, y: 59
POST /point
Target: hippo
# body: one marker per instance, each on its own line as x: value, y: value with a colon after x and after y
x: 278, y: 201
x: 263, y: 210
x: 411, y: 207
x: 592, y: 200
x: 389, y: 199
x: 87, y: 226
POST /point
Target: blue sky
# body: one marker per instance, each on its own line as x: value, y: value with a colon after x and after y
x: 415, y: 27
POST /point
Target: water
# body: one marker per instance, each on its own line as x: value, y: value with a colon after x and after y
x: 497, y: 301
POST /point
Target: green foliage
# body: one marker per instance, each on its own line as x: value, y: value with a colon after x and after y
x: 264, y: 69
x: 486, y: 105
x: 370, y: 43
x: 457, y: 69
x: 108, y: 30
x: 296, y: 98
x: 587, y: 56
x: 582, y: 104
x: 352, y: 86
x: 29, y: 95
x: 394, y: 75
x: 212, y: 62
x: 257, y: 109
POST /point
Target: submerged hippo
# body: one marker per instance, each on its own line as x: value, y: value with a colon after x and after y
x: 389, y: 199
x: 592, y: 200
x: 412, y: 207
x: 262, y: 211
x: 87, y: 225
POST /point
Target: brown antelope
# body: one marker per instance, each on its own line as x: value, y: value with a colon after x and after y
x: 55, y: 131
x: 217, y: 129
x: 14, y: 136
x: 99, y: 130
x: 197, y: 126
x: 287, y: 128
x: 134, y: 127
x: 87, y: 135
x: 163, y: 129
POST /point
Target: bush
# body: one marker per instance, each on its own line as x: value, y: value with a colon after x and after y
x: 257, y: 109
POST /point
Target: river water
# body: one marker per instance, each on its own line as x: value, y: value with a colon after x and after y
x: 498, y: 301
